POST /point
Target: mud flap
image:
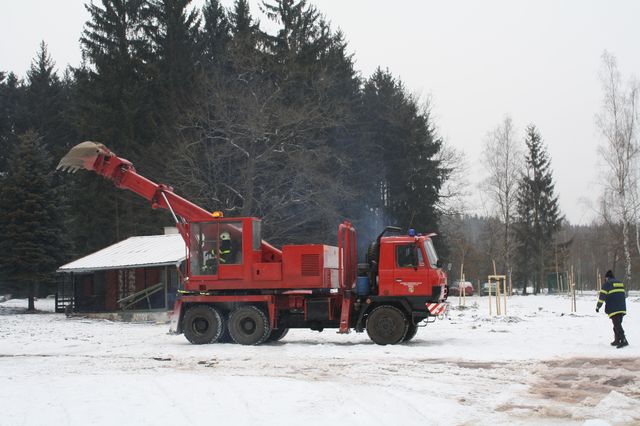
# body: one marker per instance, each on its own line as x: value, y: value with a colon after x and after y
x: 175, y: 326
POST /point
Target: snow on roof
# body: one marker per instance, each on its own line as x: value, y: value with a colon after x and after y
x: 134, y: 252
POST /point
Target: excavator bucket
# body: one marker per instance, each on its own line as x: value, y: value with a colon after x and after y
x: 82, y: 156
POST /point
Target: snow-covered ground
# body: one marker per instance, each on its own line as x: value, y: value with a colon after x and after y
x: 538, y: 365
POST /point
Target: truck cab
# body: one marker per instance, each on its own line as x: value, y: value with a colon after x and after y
x: 409, y: 266
x: 405, y: 265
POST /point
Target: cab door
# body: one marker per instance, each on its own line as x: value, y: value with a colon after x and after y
x: 410, y: 271
x: 203, y: 249
x: 230, y: 250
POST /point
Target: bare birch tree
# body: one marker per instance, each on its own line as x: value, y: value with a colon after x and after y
x: 617, y: 122
x: 503, y: 164
x: 455, y: 191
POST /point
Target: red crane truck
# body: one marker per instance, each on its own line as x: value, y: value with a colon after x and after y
x: 240, y: 288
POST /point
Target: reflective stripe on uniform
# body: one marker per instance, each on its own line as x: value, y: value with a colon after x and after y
x: 618, y: 284
x: 601, y: 301
x: 604, y: 292
x: 616, y: 313
x: 618, y: 290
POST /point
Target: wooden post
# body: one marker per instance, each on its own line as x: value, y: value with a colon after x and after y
x: 573, y: 291
x: 499, y: 280
x: 504, y: 286
x: 166, y: 288
x: 462, y: 299
x: 490, y: 310
x: 580, y: 281
x: 558, y: 286
x: 464, y: 290
x: 498, y: 310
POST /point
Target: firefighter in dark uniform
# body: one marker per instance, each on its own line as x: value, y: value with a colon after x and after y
x: 227, y: 249
x: 613, y: 295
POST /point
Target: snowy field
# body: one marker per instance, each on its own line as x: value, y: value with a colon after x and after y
x: 538, y: 365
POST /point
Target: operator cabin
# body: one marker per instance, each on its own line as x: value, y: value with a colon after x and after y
x: 136, y: 274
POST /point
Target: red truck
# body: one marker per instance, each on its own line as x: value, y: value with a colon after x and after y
x: 237, y: 287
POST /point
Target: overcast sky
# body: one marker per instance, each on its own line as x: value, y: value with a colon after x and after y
x: 477, y: 61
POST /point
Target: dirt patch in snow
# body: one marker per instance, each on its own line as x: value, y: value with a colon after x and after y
x: 577, y: 389
x: 583, y: 380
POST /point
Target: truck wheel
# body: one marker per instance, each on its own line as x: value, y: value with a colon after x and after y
x: 249, y: 325
x: 411, y: 332
x: 386, y: 325
x: 277, y: 334
x: 202, y: 324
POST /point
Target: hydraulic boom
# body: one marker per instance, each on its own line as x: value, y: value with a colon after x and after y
x: 96, y: 157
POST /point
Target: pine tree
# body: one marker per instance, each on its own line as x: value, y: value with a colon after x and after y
x: 43, y: 86
x: 301, y: 38
x: 31, y: 235
x: 215, y: 34
x: 538, y: 211
x: 174, y: 36
x: 245, y: 35
x: 45, y: 107
x: 114, y: 104
x: 114, y: 84
x: 399, y: 158
x: 11, y: 94
x: 242, y: 23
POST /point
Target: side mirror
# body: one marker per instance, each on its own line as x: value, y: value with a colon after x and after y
x: 438, y: 263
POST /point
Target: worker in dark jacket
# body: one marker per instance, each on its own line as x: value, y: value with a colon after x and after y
x: 613, y: 295
x: 227, y: 249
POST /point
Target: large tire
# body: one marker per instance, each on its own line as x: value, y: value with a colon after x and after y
x: 387, y: 325
x: 249, y: 325
x: 412, y: 329
x: 202, y: 324
x: 277, y: 334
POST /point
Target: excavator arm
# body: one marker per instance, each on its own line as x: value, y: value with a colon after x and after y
x: 98, y: 158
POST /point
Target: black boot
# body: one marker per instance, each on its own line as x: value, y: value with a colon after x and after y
x: 614, y: 343
x: 623, y: 342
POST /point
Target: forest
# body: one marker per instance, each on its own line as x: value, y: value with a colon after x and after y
x: 279, y: 125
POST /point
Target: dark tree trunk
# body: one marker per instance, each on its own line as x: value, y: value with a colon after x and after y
x: 32, y: 296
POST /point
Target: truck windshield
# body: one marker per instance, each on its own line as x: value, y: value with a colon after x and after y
x: 431, y: 253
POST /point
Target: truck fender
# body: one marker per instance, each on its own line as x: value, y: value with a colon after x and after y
x: 399, y: 303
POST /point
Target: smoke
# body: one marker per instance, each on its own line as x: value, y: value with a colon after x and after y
x: 370, y: 223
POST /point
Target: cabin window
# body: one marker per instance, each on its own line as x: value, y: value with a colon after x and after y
x: 431, y: 253
x: 203, y: 248
x: 214, y: 244
x: 257, y: 235
x: 405, y: 257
